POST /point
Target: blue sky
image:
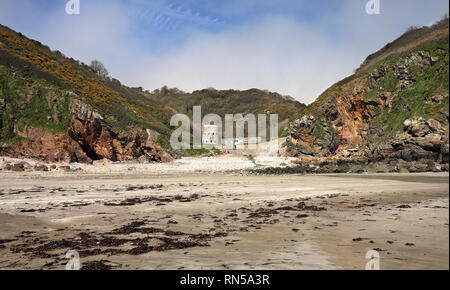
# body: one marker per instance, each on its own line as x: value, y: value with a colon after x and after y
x: 295, y: 47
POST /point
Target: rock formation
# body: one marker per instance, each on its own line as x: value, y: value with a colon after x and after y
x: 360, y: 118
x: 88, y: 138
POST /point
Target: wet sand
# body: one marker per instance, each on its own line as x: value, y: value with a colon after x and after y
x: 224, y: 221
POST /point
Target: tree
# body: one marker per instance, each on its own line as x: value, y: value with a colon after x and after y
x: 444, y: 19
x: 412, y: 28
x: 99, y: 69
x: 164, y: 90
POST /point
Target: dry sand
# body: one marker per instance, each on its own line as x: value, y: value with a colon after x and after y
x: 184, y: 165
x: 223, y: 221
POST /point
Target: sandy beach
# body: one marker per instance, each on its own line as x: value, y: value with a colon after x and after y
x: 218, y: 220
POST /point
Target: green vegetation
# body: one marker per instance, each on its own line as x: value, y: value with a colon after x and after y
x: 411, y: 102
x: 203, y: 151
x: 389, y: 82
x: 123, y: 108
x: 407, y: 102
x: 28, y: 106
x: 223, y: 102
x: 414, y: 36
x: 371, y: 94
x: 35, y: 83
x: 319, y: 130
x: 217, y: 151
x: 285, y: 133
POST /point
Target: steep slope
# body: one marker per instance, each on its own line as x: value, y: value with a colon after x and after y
x: 394, y: 108
x: 57, y: 109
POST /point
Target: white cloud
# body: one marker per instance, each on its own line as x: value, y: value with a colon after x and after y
x: 276, y: 52
x: 99, y: 32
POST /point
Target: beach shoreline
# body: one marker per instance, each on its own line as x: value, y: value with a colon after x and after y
x: 224, y: 220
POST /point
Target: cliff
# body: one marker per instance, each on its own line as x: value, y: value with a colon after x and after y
x: 393, y: 110
x: 54, y: 108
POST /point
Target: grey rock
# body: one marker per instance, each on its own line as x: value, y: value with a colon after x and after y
x: 40, y: 168
x: 445, y: 151
x: 417, y: 167
x: 380, y: 167
x: 413, y: 153
x: 152, y: 135
x: 429, y: 145
x: 417, y: 127
x: 378, y: 73
x: 434, y: 59
x: 72, y: 94
x: 18, y: 167
x: 83, y: 111
x: 373, y: 103
x: 403, y: 170
x: 436, y: 99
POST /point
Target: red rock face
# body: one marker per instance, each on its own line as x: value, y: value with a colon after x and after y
x: 45, y: 146
x: 351, y: 121
x: 347, y: 115
x: 99, y: 141
x: 88, y: 138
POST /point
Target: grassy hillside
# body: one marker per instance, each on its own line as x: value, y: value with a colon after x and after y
x: 412, y: 38
x: 30, y: 103
x: 408, y: 101
x: 122, y: 107
x: 223, y: 102
x: 413, y: 101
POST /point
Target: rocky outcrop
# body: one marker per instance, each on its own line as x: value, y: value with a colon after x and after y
x: 342, y: 123
x: 18, y: 165
x: 45, y: 146
x: 403, y: 69
x: 306, y: 136
x: 87, y: 139
x: 422, y: 139
x: 339, y: 125
x: 422, y: 146
x: 321, y: 166
x: 99, y: 141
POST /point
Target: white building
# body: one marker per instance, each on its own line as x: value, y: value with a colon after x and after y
x: 210, y: 135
